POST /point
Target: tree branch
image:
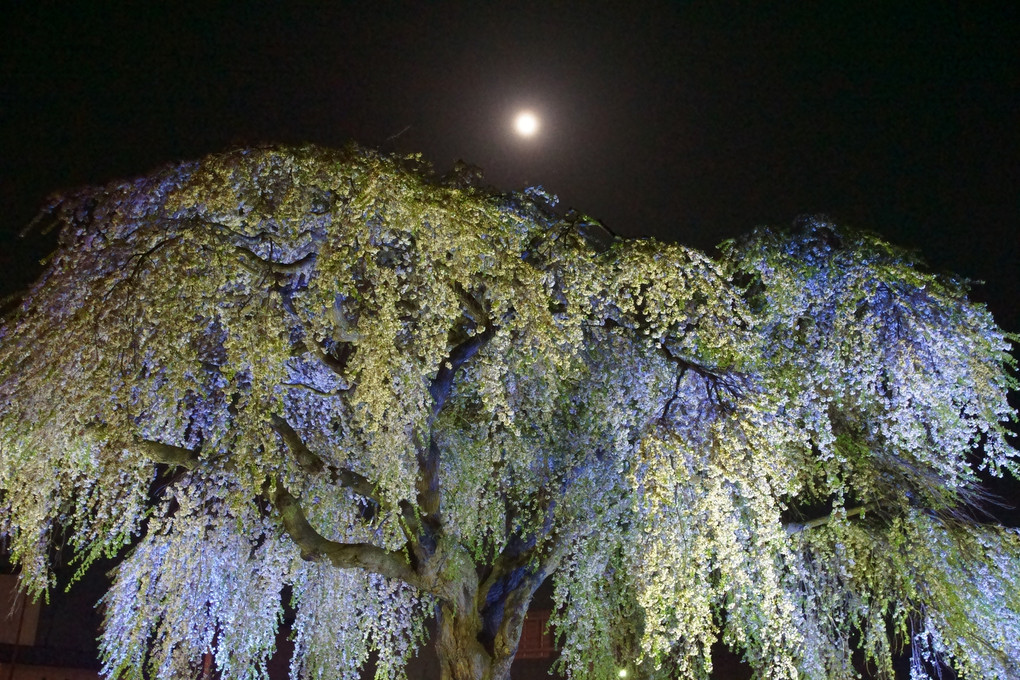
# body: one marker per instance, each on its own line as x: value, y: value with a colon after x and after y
x: 357, y: 483
x: 159, y: 452
x: 504, y: 596
x: 712, y: 377
x: 142, y: 258
x: 313, y: 463
x: 473, y: 309
x: 715, y: 379
x: 528, y: 559
x: 313, y: 390
x: 439, y: 390
x: 336, y: 364
x: 681, y: 372
x: 314, y: 546
x: 299, y: 266
x: 797, y: 527
x: 442, y: 384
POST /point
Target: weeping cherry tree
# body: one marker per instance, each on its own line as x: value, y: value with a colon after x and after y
x: 398, y: 399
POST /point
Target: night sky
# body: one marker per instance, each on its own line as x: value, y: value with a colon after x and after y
x: 686, y: 121
x: 691, y: 122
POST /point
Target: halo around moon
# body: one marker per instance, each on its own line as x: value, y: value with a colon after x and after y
x: 526, y: 124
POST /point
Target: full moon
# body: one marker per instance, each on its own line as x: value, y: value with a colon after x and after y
x: 526, y: 124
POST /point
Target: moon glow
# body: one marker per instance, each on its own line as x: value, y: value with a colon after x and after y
x: 526, y: 124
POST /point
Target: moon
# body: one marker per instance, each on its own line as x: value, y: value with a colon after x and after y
x: 526, y: 124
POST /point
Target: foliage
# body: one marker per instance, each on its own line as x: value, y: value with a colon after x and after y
x: 403, y: 399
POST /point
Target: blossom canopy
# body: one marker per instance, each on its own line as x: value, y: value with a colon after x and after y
x: 402, y: 398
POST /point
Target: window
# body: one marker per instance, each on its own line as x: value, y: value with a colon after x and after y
x: 536, y: 638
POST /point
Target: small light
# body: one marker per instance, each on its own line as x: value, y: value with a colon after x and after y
x: 622, y: 673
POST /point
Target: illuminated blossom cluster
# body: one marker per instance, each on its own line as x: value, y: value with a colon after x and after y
x: 329, y: 374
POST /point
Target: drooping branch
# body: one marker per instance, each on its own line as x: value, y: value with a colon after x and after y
x: 311, y: 462
x: 716, y: 380
x: 335, y: 363
x: 139, y: 260
x: 473, y: 309
x: 311, y: 543
x: 681, y: 372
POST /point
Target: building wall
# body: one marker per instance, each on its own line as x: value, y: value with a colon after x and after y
x: 43, y: 642
x: 19, y: 619
x: 23, y: 672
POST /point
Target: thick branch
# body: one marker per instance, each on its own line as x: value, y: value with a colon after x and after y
x: 312, y: 389
x: 504, y: 597
x: 314, y: 546
x: 442, y: 384
x: 311, y: 462
x: 522, y: 566
x: 473, y: 309
x: 338, y: 365
x: 357, y: 483
x: 439, y: 390
x: 159, y: 452
x: 300, y: 266
x: 797, y: 527
x: 532, y: 551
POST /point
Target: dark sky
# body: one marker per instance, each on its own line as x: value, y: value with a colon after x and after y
x: 687, y: 121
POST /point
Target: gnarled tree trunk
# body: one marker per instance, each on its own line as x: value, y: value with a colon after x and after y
x: 462, y: 656
x: 466, y: 646
x: 481, y: 619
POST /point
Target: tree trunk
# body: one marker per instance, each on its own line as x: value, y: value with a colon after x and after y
x: 480, y: 624
x: 463, y: 655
